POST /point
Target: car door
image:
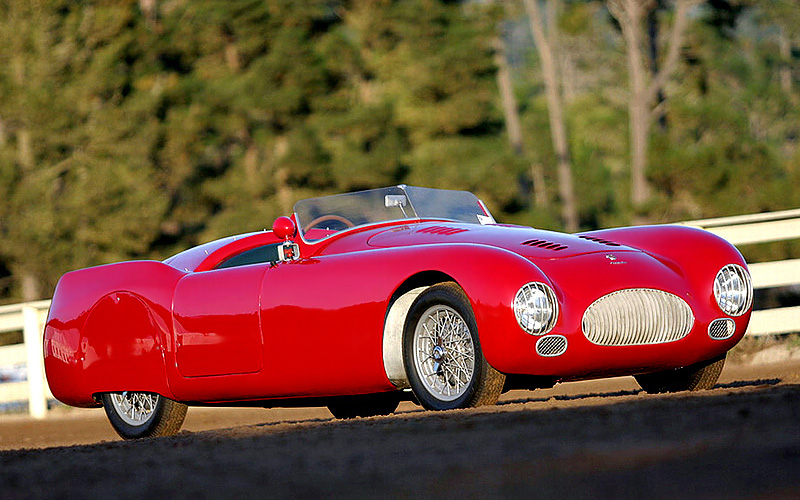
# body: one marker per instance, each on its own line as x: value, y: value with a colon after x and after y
x: 217, y: 323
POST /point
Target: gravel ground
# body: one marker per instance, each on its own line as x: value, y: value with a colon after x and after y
x: 598, y: 439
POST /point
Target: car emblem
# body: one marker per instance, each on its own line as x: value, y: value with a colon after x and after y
x: 612, y: 259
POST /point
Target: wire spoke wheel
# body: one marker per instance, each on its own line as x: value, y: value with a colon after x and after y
x: 135, y: 408
x: 143, y: 414
x: 444, y: 354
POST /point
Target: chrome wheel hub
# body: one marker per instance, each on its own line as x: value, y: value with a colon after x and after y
x: 444, y: 354
x: 135, y: 408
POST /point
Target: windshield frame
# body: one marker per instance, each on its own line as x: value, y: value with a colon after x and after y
x: 390, y: 204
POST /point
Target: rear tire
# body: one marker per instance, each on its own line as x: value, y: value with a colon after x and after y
x: 442, y: 352
x: 365, y: 405
x: 135, y: 415
x: 695, y: 377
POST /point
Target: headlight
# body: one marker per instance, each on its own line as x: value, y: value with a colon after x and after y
x: 536, y: 308
x: 733, y: 290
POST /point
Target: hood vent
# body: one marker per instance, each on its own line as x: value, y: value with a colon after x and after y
x: 441, y: 230
x: 600, y: 240
x: 544, y: 244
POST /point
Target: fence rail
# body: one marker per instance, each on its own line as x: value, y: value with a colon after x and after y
x: 30, y: 318
x: 740, y: 230
x: 744, y: 230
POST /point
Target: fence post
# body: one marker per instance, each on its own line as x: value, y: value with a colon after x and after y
x: 32, y: 333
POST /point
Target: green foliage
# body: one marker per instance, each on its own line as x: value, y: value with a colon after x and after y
x: 129, y: 134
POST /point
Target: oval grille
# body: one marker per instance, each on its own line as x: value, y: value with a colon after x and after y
x: 637, y: 316
x: 551, y: 345
x: 721, y: 329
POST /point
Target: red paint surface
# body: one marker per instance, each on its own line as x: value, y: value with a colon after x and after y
x: 314, y: 327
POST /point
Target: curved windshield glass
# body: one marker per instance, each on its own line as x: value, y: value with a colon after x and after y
x: 319, y: 218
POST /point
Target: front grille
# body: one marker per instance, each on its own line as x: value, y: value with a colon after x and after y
x: 551, y: 345
x: 637, y: 316
x: 721, y: 329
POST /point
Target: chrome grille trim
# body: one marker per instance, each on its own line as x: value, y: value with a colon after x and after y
x: 637, y: 316
x: 721, y: 329
x: 551, y: 345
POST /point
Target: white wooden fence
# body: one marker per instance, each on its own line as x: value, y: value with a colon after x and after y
x: 30, y: 318
x: 741, y: 230
x: 764, y: 228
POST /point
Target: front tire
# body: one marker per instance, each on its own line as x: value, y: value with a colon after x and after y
x: 135, y: 415
x: 442, y: 352
x: 695, y: 377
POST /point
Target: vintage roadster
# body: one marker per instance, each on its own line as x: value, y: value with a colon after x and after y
x: 360, y: 300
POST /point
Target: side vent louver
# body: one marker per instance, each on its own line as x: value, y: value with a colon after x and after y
x: 441, y: 230
x: 546, y: 245
x: 600, y: 240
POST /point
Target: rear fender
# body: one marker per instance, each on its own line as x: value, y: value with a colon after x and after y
x: 123, y: 346
x: 108, y: 329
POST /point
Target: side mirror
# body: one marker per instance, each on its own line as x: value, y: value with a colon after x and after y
x: 284, y: 228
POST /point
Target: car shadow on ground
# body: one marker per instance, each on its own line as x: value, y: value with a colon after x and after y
x: 611, y: 394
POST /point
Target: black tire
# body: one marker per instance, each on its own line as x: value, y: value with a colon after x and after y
x: 440, y: 371
x: 137, y: 415
x: 366, y: 405
x: 695, y: 377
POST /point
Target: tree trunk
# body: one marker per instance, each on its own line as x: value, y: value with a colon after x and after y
x: 510, y: 110
x: 25, y: 149
x: 512, y: 121
x: 645, y: 84
x: 633, y: 29
x: 652, y: 52
x: 30, y: 287
x: 554, y: 107
x: 149, y: 9
x: 3, y: 133
x: 539, y: 191
x: 281, y: 177
x: 785, y: 52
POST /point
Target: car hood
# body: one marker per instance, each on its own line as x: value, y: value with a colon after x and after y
x: 583, y: 266
x: 535, y: 244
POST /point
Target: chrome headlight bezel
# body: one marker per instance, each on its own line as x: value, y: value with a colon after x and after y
x: 536, y: 308
x: 733, y: 290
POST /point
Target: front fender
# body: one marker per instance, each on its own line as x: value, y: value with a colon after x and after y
x: 490, y: 277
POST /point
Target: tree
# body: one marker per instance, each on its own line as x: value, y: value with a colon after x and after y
x: 546, y: 47
x: 644, y: 83
x: 77, y: 190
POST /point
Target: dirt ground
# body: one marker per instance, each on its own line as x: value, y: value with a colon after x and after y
x: 598, y: 439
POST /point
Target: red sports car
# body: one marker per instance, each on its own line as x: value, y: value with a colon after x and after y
x: 358, y: 301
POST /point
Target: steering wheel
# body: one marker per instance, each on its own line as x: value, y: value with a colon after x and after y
x: 324, y: 218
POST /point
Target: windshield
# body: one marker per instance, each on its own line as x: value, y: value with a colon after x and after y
x: 319, y: 218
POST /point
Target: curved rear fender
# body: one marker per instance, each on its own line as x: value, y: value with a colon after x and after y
x: 108, y: 325
x: 490, y: 277
x: 123, y: 347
